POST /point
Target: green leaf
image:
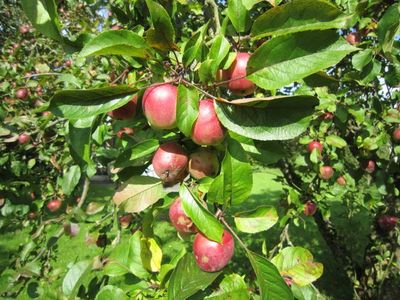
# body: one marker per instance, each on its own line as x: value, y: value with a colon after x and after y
x: 297, y: 16
x: 271, y: 283
x: 289, y: 58
x: 125, y: 258
x: 388, y: 27
x: 236, y: 174
x: 78, y: 104
x: 257, y: 220
x: 370, y: 72
x: 188, y: 278
x: 162, y: 34
x: 187, y: 109
x: 232, y: 286
x: 273, y: 118
x: 71, y: 179
x: 304, y: 292
x: 250, y: 3
x: 138, y: 155
x: 297, y: 263
x: 218, y: 52
x: 239, y: 15
x: 151, y: 254
x: 361, y: 59
x: 194, y: 47
x: 43, y: 16
x: 138, y: 193
x: 74, y: 276
x: 117, y: 42
x: 79, y: 140
x: 110, y: 292
x: 200, y: 216
x: 335, y: 141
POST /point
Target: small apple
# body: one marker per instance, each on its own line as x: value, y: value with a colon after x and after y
x: 125, y: 130
x: 203, y: 163
x: 353, y: 38
x: 207, y: 129
x: 68, y: 63
x: 315, y: 145
x: 369, y: 166
x: 125, y: 220
x: 24, y: 28
x: 159, y: 105
x: 22, y: 93
x: 126, y: 111
x: 24, y: 138
x: 326, y: 172
x: 237, y: 72
x: 387, y: 223
x: 341, y: 181
x: 327, y: 116
x: 116, y: 27
x: 310, y: 208
x: 46, y: 114
x: 179, y: 219
x: 212, y: 256
x: 54, y: 205
x: 170, y: 163
x: 396, y: 135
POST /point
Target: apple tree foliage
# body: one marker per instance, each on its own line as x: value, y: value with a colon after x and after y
x: 310, y: 220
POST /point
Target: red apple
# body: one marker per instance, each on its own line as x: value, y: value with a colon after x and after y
x: 101, y: 241
x: 387, y: 223
x: 170, y: 163
x: 68, y: 63
x: 179, y: 219
x: 212, y: 256
x: 396, y: 135
x: 126, y: 111
x: 54, y: 205
x: 353, y: 38
x: 310, y: 208
x: 341, y: 180
x: 240, y: 86
x: 315, y: 145
x: 327, y: 116
x: 125, y: 220
x: 24, y: 28
x: 326, y: 172
x: 46, y: 114
x: 159, y: 105
x: 207, y: 130
x: 22, y: 93
x: 369, y: 166
x: 24, y: 138
x: 203, y: 163
x: 116, y: 27
x: 125, y: 130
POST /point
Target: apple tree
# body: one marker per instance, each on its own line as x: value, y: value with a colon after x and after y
x: 210, y: 150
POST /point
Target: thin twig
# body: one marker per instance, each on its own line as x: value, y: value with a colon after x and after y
x: 84, y: 192
x: 199, y: 89
x: 234, y: 234
x: 44, y: 74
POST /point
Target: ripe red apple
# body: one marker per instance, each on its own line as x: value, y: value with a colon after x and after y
x: 170, y: 162
x: 24, y: 28
x: 326, y: 172
x: 68, y: 63
x: 24, y: 138
x: 207, y: 130
x: 369, y: 166
x: 159, y: 105
x: 54, y: 205
x: 387, y: 223
x: 327, y: 116
x: 116, y: 27
x: 212, y: 256
x: 203, y: 163
x: 46, y: 114
x: 242, y: 86
x: 341, y: 180
x: 125, y: 130
x: 179, y: 219
x: 310, y: 208
x: 315, y: 145
x: 125, y: 220
x: 396, y: 135
x: 353, y: 38
x: 22, y: 93
x: 126, y: 111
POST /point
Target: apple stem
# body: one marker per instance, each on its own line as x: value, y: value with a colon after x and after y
x: 234, y: 234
